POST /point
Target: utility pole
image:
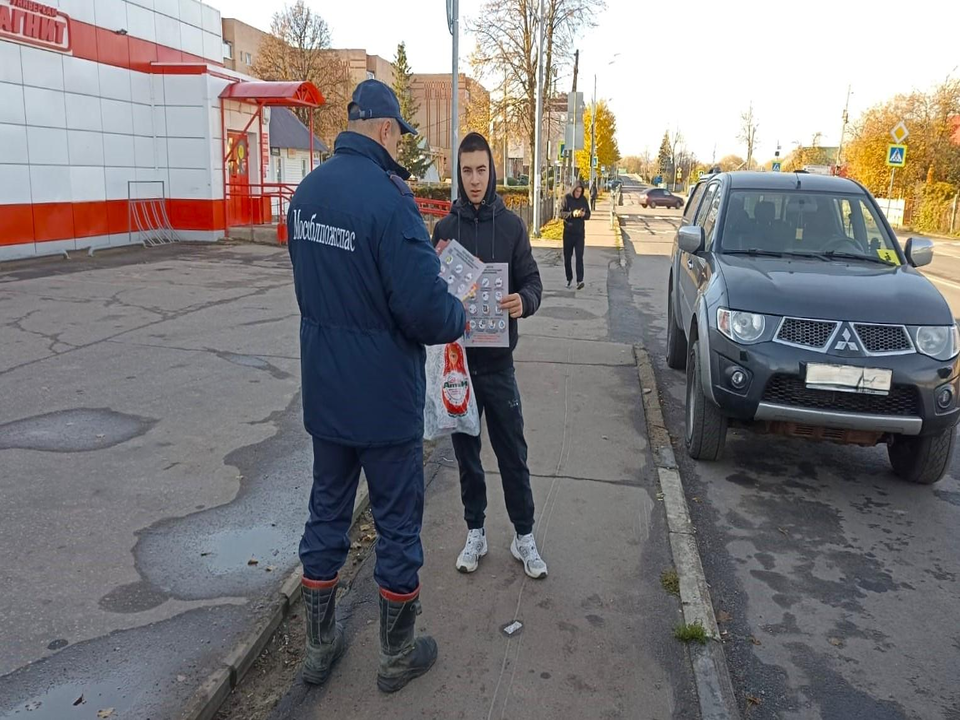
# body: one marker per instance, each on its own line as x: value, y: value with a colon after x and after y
x: 453, y: 21
x: 673, y: 157
x: 593, y: 128
x: 843, y: 130
x: 547, y: 101
x: 573, y: 137
x: 538, y: 132
x: 506, y: 138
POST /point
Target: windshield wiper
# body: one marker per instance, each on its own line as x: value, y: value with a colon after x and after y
x: 835, y: 255
x: 754, y: 253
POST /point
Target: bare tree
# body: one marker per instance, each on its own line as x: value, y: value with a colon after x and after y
x: 748, y: 134
x: 297, y: 49
x: 506, y: 37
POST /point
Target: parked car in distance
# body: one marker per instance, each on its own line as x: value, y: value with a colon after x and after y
x: 795, y: 311
x: 659, y: 197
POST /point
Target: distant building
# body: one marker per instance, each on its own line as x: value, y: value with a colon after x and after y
x: 433, y: 93
x: 362, y: 66
x: 241, y: 43
x: 290, y: 147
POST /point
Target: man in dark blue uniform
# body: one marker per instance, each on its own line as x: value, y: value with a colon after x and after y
x: 367, y: 283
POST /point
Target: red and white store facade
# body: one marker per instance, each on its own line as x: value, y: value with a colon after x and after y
x: 104, y: 100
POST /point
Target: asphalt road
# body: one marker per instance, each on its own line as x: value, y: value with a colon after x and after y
x: 837, y: 584
x: 153, y: 472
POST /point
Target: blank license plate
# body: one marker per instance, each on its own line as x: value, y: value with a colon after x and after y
x: 846, y: 378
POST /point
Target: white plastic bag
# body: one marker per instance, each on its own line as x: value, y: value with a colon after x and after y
x: 450, y: 405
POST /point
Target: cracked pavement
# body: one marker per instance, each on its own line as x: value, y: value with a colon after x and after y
x: 154, y: 470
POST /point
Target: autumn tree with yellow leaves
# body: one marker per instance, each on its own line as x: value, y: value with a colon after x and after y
x: 608, y: 153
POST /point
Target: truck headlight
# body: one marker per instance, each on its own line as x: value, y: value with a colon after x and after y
x: 741, y: 327
x: 938, y: 341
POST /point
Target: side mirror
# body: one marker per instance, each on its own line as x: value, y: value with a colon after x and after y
x: 919, y: 251
x: 691, y: 239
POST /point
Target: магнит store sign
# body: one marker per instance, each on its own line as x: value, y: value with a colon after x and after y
x: 31, y: 22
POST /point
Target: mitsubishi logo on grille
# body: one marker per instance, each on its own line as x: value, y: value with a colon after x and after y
x: 846, y: 341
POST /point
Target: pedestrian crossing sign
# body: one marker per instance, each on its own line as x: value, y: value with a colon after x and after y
x: 896, y: 155
x: 776, y: 167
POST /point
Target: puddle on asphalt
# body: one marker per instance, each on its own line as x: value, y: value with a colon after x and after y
x: 229, y: 551
x: 78, y: 430
x: 58, y: 702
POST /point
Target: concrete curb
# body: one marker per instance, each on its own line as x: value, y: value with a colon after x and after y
x: 208, y: 698
x: 712, y: 677
x: 618, y: 232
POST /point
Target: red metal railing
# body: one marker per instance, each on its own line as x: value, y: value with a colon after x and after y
x: 259, y: 204
x: 266, y: 203
x: 440, y: 208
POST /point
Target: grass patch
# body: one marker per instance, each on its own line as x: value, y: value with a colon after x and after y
x: 690, y: 633
x: 670, y: 582
x: 553, y: 230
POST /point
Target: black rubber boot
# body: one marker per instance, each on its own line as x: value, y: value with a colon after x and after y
x: 403, y: 656
x: 325, y: 642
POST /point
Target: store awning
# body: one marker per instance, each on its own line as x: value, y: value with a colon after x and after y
x: 286, y: 94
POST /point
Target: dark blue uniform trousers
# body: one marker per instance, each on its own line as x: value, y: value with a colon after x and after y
x: 395, y: 478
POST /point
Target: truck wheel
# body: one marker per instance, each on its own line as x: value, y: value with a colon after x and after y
x: 706, y: 426
x: 922, y: 460
x: 676, y: 341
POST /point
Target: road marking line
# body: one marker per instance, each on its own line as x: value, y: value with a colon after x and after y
x: 940, y: 281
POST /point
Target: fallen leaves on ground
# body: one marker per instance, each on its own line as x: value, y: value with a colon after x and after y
x: 253, y: 561
x: 78, y: 701
x: 105, y: 713
x: 753, y: 700
x: 754, y: 640
x: 724, y: 617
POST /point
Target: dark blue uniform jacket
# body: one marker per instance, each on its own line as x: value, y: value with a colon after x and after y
x: 366, y: 278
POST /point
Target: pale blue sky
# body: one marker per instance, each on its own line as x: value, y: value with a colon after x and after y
x: 699, y: 63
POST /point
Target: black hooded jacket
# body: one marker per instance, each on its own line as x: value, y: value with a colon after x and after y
x: 573, y: 227
x: 494, y: 234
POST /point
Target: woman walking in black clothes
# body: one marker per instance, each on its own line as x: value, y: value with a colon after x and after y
x: 574, y: 212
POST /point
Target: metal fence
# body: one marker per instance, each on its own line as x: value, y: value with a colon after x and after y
x: 547, y: 207
x: 939, y: 219
x: 525, y: 211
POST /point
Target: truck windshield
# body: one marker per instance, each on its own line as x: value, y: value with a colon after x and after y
x: 806, y: 223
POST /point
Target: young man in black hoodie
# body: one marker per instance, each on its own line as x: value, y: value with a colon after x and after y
x: 574, y: 211
x: 481, y: 222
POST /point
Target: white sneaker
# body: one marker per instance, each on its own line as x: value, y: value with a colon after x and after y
x: 474, y: 549
x: 524, y: 549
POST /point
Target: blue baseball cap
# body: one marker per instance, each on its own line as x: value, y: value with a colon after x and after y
x: 374, y: 99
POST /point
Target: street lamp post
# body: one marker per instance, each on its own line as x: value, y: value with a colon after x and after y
x: 593, y: 121
x: 453, y: 22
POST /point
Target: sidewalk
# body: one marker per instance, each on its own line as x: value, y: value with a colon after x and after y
x: 597, y: 638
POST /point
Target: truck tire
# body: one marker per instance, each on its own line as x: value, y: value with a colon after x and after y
x: 706, y: 426
x: 676, y: 341
x: 922, y: 460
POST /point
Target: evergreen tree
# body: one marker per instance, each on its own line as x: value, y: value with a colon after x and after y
x: 410, y: 152
x: 666, y: 155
